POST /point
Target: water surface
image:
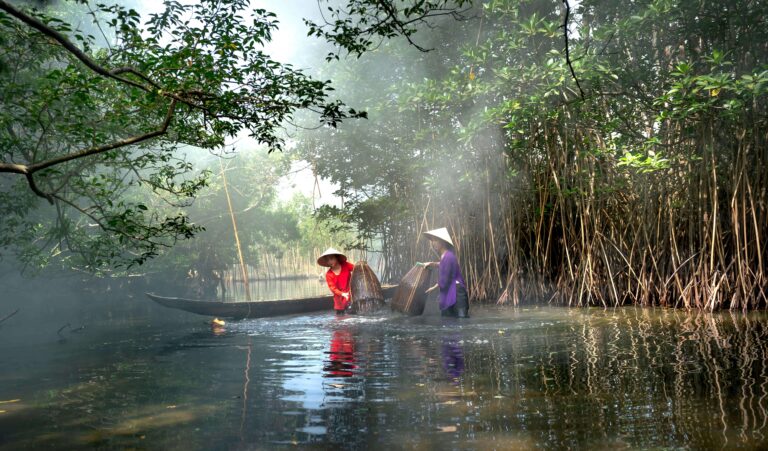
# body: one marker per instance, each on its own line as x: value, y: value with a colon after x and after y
x: 507, y: 378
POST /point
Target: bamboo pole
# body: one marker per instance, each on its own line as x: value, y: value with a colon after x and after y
x: 237, y: 238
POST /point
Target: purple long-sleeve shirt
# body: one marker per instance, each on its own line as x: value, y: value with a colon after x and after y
x: 449, y: 273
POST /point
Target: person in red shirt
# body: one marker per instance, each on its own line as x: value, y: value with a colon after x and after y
x: 338, y: 277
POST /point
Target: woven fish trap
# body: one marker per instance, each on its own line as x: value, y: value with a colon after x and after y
x: 365, y: 289
x: 411, y: 295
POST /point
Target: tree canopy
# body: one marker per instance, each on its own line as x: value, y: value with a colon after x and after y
x: 95, y: 126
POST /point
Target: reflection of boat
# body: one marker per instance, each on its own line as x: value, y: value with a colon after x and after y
x: 257, y: 309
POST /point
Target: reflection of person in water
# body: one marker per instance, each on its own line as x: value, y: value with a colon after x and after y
x: 341, y: 357
x: 453, y: 358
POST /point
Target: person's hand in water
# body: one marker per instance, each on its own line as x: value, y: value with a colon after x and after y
x: 345, y: 295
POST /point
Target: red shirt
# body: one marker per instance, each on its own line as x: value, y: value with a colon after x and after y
x: 340, y: 284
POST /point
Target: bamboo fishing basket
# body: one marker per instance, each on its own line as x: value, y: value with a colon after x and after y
x: 366, y: 293
x: 411, y: 295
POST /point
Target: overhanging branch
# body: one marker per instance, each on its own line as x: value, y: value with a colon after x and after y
x: 567, y: 47
x: 114, y: 74
x: 114, y: 145
x: 29, y: 170
x: 38, y: 25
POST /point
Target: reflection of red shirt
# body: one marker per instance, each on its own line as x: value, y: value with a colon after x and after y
x: 340, y: 284
x: 341, y: 356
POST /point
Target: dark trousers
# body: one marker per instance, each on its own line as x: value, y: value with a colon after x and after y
x: 462, y: 301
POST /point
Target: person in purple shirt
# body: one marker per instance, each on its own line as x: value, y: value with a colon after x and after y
x: 453, y: 297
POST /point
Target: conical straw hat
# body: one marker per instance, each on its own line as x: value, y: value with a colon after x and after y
x: 441, y: 234
x: 330, y: 251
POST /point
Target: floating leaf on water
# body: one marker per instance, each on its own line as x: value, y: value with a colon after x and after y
x: 170, y: 407
x: 446, y: 428
x: 10, y: 401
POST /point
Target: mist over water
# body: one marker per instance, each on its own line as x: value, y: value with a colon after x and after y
x: 650, y: 197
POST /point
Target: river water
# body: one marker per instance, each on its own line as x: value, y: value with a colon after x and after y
x: 508, y: 378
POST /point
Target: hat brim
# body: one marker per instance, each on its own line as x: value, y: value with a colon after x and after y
x: 432, y: 236
x: 437, y: 238
x: 323, y: 260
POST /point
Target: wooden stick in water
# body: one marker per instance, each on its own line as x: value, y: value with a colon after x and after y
x: 237, y: 238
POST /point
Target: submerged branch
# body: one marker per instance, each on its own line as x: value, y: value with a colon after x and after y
x: 9, y: 316
x: 58, y: 332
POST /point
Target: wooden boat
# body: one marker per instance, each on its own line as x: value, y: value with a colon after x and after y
x: 257, y: 309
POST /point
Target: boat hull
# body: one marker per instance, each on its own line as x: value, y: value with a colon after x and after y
x: 260, y: 309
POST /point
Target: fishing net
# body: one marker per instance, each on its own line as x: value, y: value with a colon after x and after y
x: 365, y: 289
x: 411, y: 294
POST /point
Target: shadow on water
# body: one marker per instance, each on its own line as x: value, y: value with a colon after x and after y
x: 506, y: 378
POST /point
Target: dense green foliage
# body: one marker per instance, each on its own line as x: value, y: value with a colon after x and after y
x: 96, y: 131
x: 650, y: 188
x: 629, y: 169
